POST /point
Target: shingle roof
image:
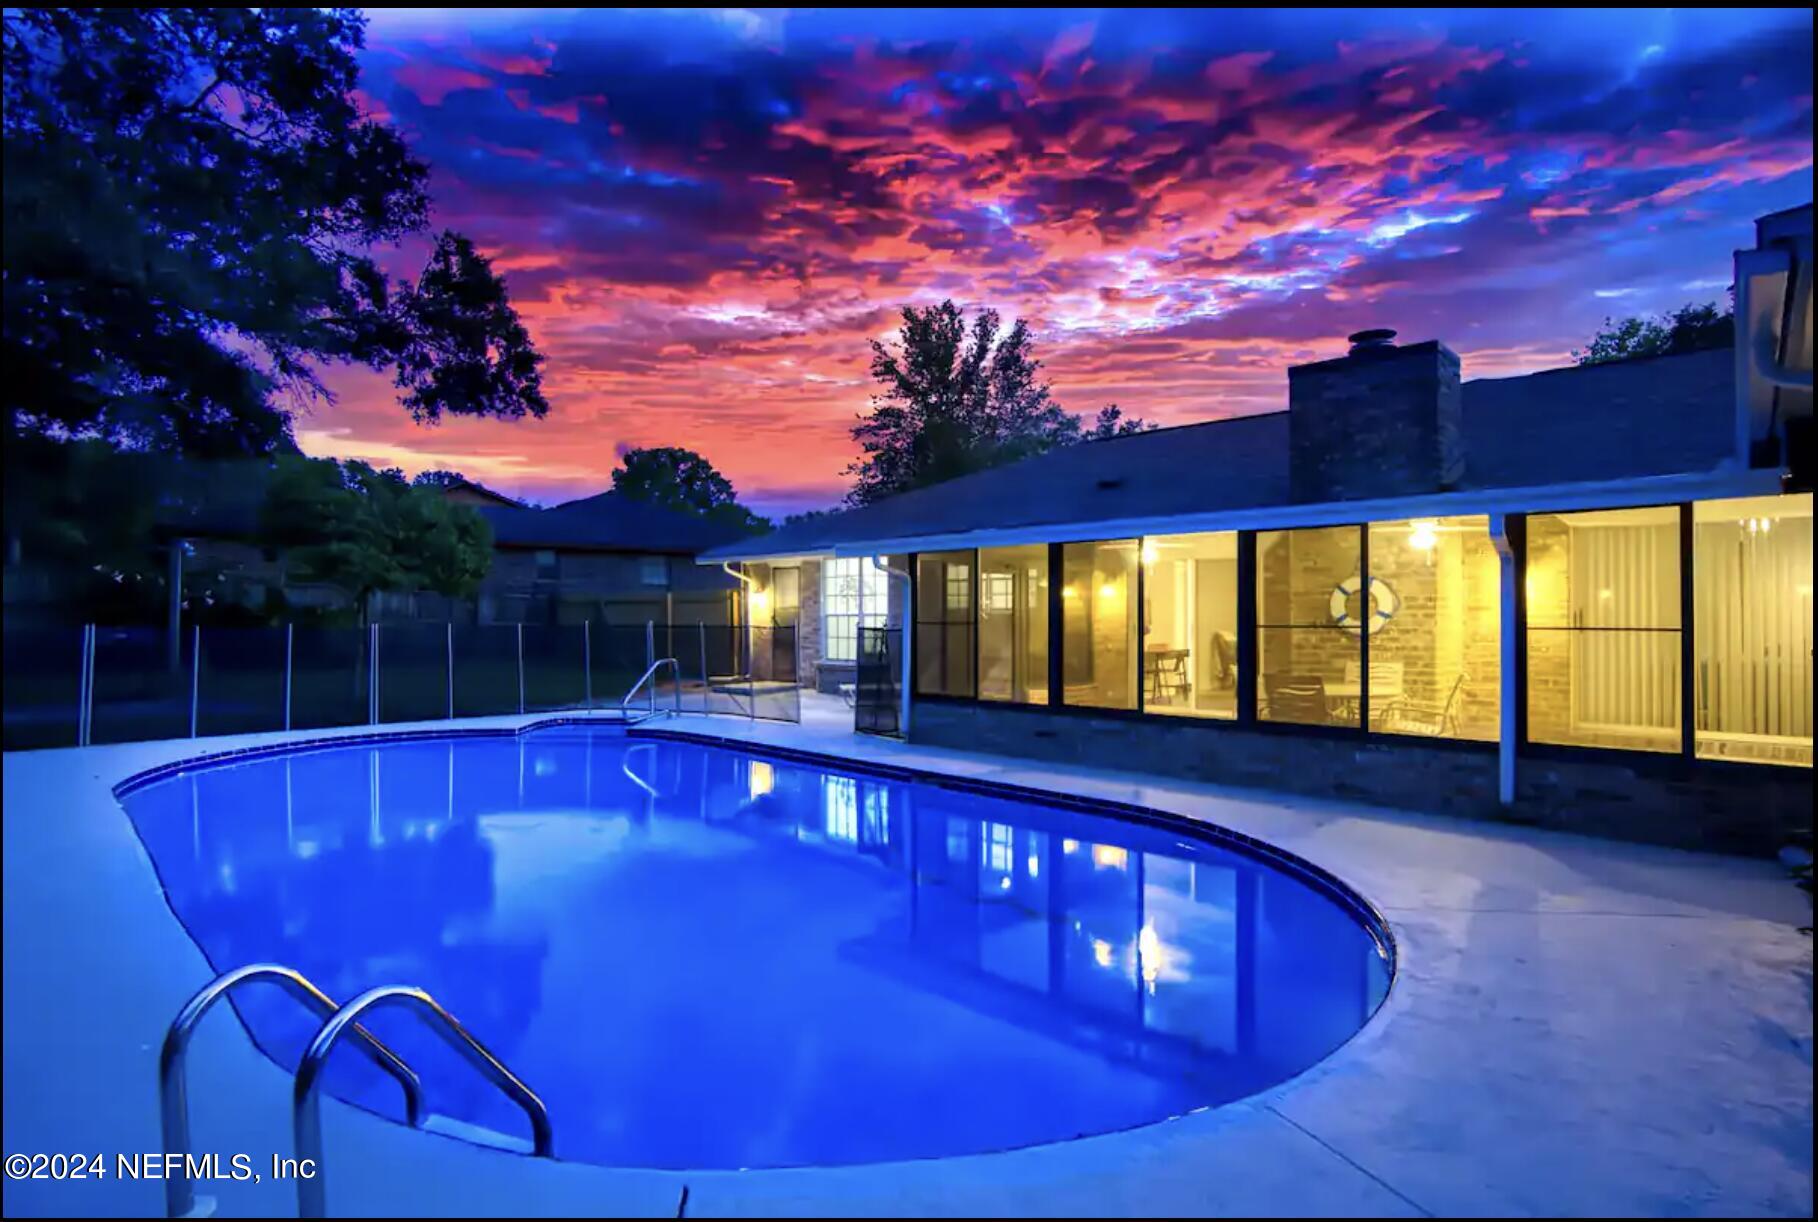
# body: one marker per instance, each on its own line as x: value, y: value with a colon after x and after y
x: 1658, y: 416
x: 605, y: 522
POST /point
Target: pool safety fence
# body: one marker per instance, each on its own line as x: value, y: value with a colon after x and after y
x: 76, y: 686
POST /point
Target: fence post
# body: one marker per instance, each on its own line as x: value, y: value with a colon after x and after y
x: 587, y: 664
x: 451, y: 670
x: 85, y: 702
x: 520, y: 668
x: 751, y: 675
x: 195, y: 675
x: 649, y: 643
x: 290, y: 646
x: 372, y: 674
x: 706, y: 686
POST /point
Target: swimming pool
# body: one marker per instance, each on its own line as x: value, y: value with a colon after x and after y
x: 704, y: 958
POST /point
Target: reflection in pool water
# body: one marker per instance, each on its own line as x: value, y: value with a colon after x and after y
x: 704, y: 959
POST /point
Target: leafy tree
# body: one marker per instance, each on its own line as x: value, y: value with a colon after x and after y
x: 87, y: 515
x: 958, y: 399
x: 1690, y: 328
x: 807, y: 515
x: 1111, y: 422
x: 192, y: 198
x: 364, y: 530
x: 440, y: 479
x: 681, y: 480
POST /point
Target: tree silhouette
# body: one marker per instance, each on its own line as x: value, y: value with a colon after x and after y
x: 958, y: 399
x: 192, y: 202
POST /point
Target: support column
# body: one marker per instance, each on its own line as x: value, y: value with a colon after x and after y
x: 1509, y: 684
x: 907, y: 680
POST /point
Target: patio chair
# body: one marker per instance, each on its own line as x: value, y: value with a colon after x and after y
x: 1224, y: 662
x: 1430, y: 720
x: 1385, y: 678
x: 1297, y: 698
x: 1169, y: 677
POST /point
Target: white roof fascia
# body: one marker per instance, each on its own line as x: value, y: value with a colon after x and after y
x: 1540, y: 498
x: 763, y: 557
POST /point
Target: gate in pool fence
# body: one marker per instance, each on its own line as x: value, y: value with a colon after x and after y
x: 878, y: 689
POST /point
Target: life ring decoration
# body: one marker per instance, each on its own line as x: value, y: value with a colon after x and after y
x: 1384, y: 603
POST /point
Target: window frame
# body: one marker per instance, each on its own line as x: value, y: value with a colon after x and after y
x: 978, y: 625
x: 1688, y: 621
x: 861, y: 616
x: 1133, y: 602
x: 946, y: 621
x: 1515, y: 525
x: 1525, y: 744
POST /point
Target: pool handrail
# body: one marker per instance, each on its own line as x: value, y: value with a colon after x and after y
x: 649, y: 677
x: 173, y: 1089
x: 306, y: 1099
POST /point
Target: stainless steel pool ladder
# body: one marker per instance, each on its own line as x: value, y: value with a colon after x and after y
x: 649, y: 676
x: 173, y: 1095
x: 306, y: 1102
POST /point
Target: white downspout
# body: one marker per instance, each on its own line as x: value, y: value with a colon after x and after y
x: 1510, y: 685
x: 902, y: 716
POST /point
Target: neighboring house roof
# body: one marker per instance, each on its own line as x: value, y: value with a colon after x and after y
x: 1624, y: 420
x: 468, y: 492
x: 606, y: 522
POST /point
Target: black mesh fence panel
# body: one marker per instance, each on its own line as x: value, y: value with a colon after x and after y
x: 328, y: 681
x: 43, y: 689
x: 241, y: 687
x: 486, y: 669
x: 618, y: 657
x: 413, y: 672
x: 141, y: 684
x: 555, y: 665
x: 878, y: 686
x: 775, y: 698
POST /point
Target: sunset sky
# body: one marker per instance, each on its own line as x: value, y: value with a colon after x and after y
x: 704, y: 217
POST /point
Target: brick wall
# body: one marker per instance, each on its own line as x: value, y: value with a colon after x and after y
x: 1733, y: 808
x: 1377, y: 423
x: 814, y: 670
x: 604, y: 587
x: 809, y: 624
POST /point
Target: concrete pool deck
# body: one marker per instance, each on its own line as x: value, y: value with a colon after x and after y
x: 1577, y: 1027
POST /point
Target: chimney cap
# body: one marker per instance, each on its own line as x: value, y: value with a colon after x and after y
x: 1375, y: 339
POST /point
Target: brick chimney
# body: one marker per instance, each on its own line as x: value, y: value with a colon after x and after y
x: 1380, y: 421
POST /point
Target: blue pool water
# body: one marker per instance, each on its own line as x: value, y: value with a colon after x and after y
x: 703, y: 959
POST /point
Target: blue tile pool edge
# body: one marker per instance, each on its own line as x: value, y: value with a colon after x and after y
x: 1318, y: 877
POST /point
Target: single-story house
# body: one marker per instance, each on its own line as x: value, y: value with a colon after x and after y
x: 605, y: 558
x: 1579, y: 597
